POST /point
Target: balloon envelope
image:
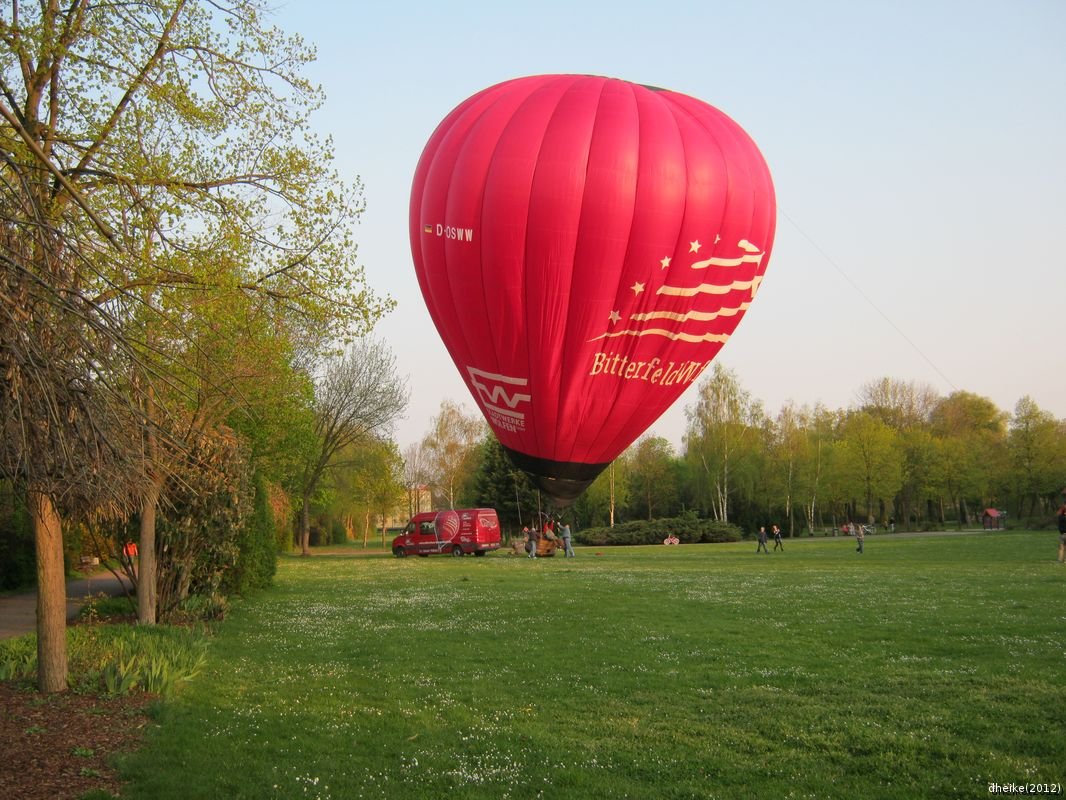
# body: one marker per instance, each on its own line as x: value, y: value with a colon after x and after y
x: 585, y: 247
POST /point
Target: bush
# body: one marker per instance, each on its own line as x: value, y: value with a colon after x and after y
x: 689, y: 530
x: 18, y: 564
x: 256, y: 546
x: 116, y: 659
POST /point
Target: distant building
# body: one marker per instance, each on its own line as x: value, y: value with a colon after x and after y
x: 419, y: 498
x: 993, y: 519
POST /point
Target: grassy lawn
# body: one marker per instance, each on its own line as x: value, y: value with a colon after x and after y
x: 926, y: 667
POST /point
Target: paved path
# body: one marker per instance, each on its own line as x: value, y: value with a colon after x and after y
x: 18, y: 612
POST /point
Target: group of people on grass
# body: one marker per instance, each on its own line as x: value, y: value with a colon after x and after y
x: 547, y: 531
x: 852, y: 530
x: 763, y: 539
x: 859, y: 532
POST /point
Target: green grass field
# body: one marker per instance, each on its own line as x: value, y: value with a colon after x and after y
x: 928, y: 666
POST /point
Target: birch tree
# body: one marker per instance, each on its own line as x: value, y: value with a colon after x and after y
x: 451, y: 448
x: 787, y: 445
x: 722, y: 435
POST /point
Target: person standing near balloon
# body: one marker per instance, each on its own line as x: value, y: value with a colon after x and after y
x: 564, y: 532
x: 762, y: 540
x: 534, y: 537
x: 1062, y: 534
x: 778, y: 544
x: 860, y: 537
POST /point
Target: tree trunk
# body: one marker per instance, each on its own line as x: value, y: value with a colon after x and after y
x: 788, y: 502
x: 148, y: 574
x: 147, y: 587
x: 305, y: 527
x: 51, y: 594
x: 612, y: 494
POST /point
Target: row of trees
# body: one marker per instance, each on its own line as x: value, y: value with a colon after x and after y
x: 903, y: 453
x: 183, y: 323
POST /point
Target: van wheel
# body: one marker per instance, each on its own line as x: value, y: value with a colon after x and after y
x: 479, y: 553
x: 457, y: 551
x: 399, y: 552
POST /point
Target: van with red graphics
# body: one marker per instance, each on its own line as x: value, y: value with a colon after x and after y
x: 458, y: 532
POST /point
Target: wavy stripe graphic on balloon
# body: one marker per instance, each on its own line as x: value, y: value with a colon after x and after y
x: 752, y: 255
x: 677, y: 337
x: 698, y: 316
x: 711, y: 288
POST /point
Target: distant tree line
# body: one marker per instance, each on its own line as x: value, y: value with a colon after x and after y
x: 903, y: 454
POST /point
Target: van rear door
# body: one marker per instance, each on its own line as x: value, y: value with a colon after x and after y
x: 488, y: 528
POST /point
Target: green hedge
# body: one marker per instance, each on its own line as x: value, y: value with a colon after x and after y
x: 688, y: 530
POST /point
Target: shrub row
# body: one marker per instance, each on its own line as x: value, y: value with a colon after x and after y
x: 686, y: 529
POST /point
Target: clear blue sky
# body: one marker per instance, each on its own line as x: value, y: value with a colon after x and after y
x: 918, y: 149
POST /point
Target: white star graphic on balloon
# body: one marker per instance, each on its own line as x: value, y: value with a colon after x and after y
x: 717, y: 239
x: 694, y: 247
x: 665, y: 262
x: 637, y: 288
x: 615, y: 316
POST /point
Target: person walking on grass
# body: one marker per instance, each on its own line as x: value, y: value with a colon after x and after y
x: 762, y: 540
x: 860, y: 537
x: 778, y: 544
x: 1062, y: 534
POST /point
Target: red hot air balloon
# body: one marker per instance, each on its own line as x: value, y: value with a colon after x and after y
x: 586, y: 246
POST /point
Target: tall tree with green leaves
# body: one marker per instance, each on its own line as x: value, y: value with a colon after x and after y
x: 905, y: 406
x: 787, y: 448
x: 497, y: 483
x: 653, y: 476
x: 869, y: 461
x: 379, y: 483
x: 971, y: 431
x: 417, y: 478
x: 146, y: 146
x: 358, y: 398
x: 814, y: 462
x: 609, y: 493
x: 723, y: 438
x: 451, y: 448
x: 1034, y: 443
